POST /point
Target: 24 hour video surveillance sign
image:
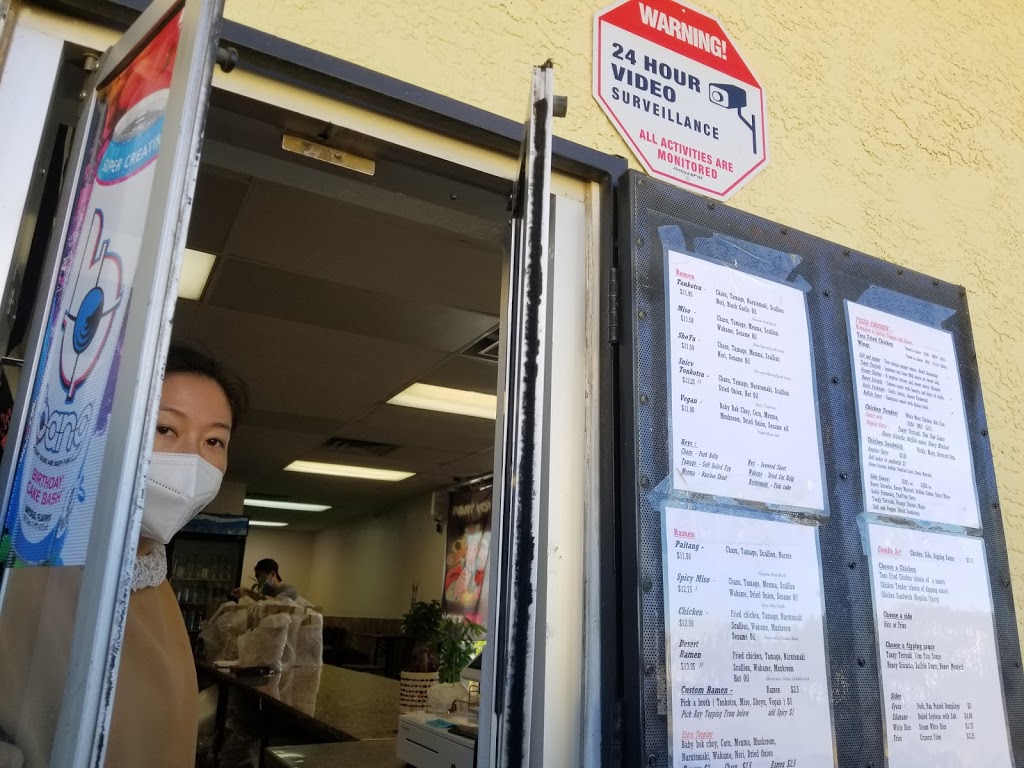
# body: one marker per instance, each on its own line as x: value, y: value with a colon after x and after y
x: 680, y: 94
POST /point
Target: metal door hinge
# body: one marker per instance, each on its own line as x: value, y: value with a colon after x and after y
x: 227, y: 59
x: 613, y: 305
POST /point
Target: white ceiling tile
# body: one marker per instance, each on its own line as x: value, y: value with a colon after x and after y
x: 364, y: 249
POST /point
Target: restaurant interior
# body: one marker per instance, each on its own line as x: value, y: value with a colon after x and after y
x: 355, y: 287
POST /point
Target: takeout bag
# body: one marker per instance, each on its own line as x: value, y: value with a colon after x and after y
x: 309, y: 641
x: 268, y: 633
x: 264, y: 645
x: 221, y: 632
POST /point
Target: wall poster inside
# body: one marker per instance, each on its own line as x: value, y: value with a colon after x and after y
x: 467, y: 554
x: 745, y: 642
x: 914, y: 450
x: 741, y: 387
x: 941, y: 692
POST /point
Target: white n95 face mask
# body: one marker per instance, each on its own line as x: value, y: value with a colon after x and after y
x: 178, y: 487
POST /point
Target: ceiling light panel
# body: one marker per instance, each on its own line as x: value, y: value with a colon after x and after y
x: 266, y: 524
x: 447, y: 400
x: 196, y: 267
x: 292, y: 505
x: 346, y: 470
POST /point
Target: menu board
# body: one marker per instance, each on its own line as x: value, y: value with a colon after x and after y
x: 914, y: 449
x: 941, y: 691
x: 748, y: 681
x: 743, y: 415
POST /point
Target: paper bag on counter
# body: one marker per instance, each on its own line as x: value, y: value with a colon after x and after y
x: 296, y: 617
x: 221, y: 632
x: 309, y: 642
x: 264, y: 645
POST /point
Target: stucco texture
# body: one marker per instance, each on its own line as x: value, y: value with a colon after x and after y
x: 895, y: 128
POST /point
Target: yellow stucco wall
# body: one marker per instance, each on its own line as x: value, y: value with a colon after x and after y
x: 896, y: 128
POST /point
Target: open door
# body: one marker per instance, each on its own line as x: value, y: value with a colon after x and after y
x: 507, y: 700
x: 80, y: 435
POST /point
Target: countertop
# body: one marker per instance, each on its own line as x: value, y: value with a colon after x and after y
x: 352, y: 754
x: 346, y: 704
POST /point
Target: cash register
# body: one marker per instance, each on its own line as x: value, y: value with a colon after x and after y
x: 448, y: 740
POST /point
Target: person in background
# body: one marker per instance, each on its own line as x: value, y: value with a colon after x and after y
x: 268, y: 583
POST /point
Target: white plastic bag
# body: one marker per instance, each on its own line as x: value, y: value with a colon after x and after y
x: 296, y: 617
x: 309, y: 641
x: 221, y: 632
x: 264, y: 645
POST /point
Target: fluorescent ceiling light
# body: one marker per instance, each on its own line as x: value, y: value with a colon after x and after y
x: 295, y: 505
x: 447, y: 400
x: 345, y: 470
x: 195, y: 271
x: 266, y: 524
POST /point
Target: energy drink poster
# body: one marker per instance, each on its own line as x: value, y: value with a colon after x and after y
x: 49, y: 516
x: 467, y: 555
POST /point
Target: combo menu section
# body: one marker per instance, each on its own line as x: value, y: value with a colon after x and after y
x: 941, y: 692
x: 742, y: 403
x: 746, y: 648
x: 915, y: 455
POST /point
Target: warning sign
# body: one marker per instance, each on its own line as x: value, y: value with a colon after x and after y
x: 678, y: 91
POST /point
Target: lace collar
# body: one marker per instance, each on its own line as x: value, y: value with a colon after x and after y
x: 150, y: 569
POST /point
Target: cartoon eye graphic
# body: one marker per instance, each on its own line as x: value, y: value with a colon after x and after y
x: 87, y: 321
x: 96, y: 292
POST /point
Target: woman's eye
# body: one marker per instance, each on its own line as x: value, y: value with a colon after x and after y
x: 217, y: 442
x: 162, y: 429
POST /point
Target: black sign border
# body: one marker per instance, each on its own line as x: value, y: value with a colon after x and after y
x: 835, y: 273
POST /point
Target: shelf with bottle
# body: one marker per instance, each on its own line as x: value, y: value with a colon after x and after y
x: 203, y: 568
x: 193, y: 620
x: 200, y: 594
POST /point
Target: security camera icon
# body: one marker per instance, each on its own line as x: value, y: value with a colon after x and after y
x: 727, y: 96
x: 733, y: 97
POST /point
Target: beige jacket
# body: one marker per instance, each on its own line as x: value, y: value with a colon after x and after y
x: 155, y: 714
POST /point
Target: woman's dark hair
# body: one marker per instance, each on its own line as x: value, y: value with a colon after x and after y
x: 182, y: 358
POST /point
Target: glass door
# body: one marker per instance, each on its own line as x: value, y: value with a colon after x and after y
x: 80, y: 433
x: 507, y: 708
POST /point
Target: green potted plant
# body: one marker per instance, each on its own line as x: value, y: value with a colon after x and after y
x: 442, y: 647
x: 459, y: 642
x: 422, y: 625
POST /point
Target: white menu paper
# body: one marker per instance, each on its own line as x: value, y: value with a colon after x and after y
x: 914, y: 451
x: 747, y: 671
x: 742, y: 400
x: 941, y: 691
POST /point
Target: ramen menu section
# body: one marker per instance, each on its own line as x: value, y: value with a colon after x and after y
x: 742, y: 398
x: 746, y: 642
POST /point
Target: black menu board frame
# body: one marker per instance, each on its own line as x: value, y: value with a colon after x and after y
x: 647, y: 210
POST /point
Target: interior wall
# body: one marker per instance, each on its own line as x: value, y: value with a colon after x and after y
x: 366, y: 568
x: 893, y: 129
x: 291, y: 549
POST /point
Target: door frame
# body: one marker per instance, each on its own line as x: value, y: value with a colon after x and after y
x: 584, y: 182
